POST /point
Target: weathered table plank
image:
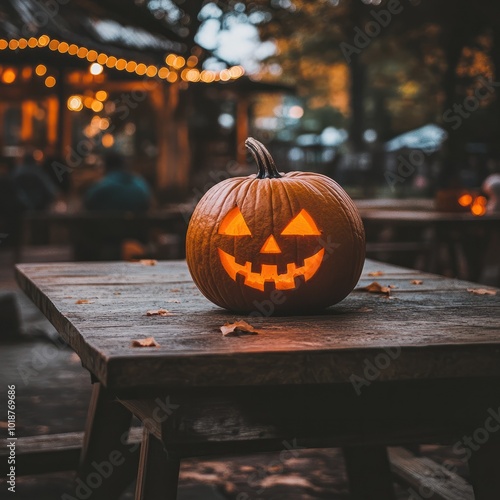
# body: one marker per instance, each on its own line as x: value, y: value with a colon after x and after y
x: 438, y: 329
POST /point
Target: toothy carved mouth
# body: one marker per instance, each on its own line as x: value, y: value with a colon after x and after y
x: 269, y: 272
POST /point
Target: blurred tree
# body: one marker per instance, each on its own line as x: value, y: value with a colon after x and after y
x: 408, y: 61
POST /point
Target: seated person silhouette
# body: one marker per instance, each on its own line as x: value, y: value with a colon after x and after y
x: 119, y: 193
x: 120, y: 190
x: 34, y: 188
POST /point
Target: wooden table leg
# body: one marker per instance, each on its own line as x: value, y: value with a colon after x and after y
x: 106, y: 461
x: 369, y: 473
x: 484, y: 467
x: 158, y: 474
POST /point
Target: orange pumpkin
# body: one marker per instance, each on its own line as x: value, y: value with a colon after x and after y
x: 275, y: 243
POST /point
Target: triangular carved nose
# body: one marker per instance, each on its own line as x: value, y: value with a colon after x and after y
x: 270, y: 246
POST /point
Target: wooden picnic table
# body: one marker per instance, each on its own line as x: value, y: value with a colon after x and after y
x: 98, y: 235
x: 461, y: 244
x: 421, y: 365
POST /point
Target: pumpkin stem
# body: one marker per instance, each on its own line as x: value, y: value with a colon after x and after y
x: 263, y: 158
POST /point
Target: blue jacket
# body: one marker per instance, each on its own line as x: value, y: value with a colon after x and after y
x: 119, y: 191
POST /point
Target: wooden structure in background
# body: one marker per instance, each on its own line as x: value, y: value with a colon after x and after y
x: 133, y: 35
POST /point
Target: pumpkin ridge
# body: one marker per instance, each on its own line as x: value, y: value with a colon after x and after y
x: 285, y: 189
x: 359, y: 233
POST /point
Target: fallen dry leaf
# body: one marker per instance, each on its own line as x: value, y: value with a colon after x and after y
x: 376, y: 288
x: 392, y: 286
x: 174, y: 290
x: 148, y: 262
x: 159, y: 312
x: 365, y: 310
x: 482, y: 291
x: 416, y: 282
x: 117, y: 293
x: 173, y: 301
x: 376, y: 273
x: 147, y: 342
x: 238, y: 328
x: 84, y: 301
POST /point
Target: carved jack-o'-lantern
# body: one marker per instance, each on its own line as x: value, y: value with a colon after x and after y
x: 301, y: 225
x: 275, y: 243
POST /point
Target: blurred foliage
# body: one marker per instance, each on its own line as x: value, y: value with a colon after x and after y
x: 426, y: 59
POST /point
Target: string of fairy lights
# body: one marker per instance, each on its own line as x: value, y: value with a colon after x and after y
x: 176, y: 66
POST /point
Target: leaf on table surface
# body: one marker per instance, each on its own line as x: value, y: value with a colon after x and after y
x: 374, y: 274
x: 482, y: 291
x: 173, y: 301
x: 148, y: 262
x: 147, y: 342
x: 376, y: 287
x: 159, y: 312
x: 238, y: 328
x: 416, y: 282
x: 84, y: 301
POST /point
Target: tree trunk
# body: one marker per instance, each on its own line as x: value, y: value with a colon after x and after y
x: 357, y: 124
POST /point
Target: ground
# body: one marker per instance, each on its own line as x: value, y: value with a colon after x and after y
x: 53, y: 391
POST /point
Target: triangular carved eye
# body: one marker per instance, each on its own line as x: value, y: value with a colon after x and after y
x: 301, y: 225
x: 234, y: 224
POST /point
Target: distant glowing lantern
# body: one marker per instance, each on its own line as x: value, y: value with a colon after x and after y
x: 236, y: 71
x: 96, y: 69
x: 88, y: 101
x: 172, y: 77
x: 103, y: 123
x: 43, y: 40
x: 478, y: 207
x: 121, y: 64
x: 296, y: 112
x: 130, y: 67
x: 101, y: 95
x: 50, y: 81
x: 26, y: 72
x: 97, y: 106
x: 152, y: 71
x: 465, y: 200
x: 75, y: 103
x: 8, y: 76
x: 179, y: 62
x: 111, y: 61
x: 107, y: 140
x: 38, y: 155
x: 91, y: 56
x: 262, y: 239
x: 141, y: 69
x: 40, y: 70
x: 225, y: 75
